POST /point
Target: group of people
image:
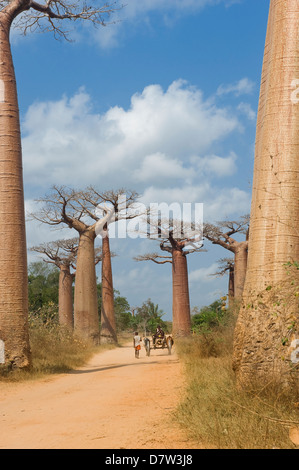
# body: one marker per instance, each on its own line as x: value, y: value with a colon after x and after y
x: 137, y: 340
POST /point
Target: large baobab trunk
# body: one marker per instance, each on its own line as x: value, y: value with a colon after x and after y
x: 108, y: 324
x: 267, y: 330
x: 13, y: 256
x: 66, y: 297
x: 86, y: 317
x: 181, y: 321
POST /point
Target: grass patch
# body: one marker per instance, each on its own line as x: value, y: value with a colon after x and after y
x: 216, y: 414
x: 54, y: 350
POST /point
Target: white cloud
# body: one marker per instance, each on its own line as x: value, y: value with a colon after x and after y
x: 138, y: 13
x: 247, y: 110
x: 159, y: 167
x: 156, y: 139
x: 161, y: 146
x: 218, y: 203
x: 203, y: 274
x: 243, y: 86
x: 214, y: 165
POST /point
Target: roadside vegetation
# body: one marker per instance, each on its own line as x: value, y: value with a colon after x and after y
x: 56, y: 349
x: 214, y: 412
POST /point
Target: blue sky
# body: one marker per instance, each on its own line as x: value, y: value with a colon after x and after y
x: 163, y: 101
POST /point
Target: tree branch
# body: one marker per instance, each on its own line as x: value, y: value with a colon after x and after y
x: 155, y: 257
x: 50, y: 16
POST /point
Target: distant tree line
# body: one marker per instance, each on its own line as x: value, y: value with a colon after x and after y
x: 43, y: 288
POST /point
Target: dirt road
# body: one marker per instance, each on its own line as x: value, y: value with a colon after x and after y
x: 114, y: 402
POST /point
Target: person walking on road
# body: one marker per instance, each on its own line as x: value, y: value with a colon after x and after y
x: 137, y: 344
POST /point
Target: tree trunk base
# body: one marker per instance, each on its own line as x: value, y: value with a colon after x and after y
x: 183, y: 333
x: 107, y: 339
x: 21, y: 363
x: 266, y: 340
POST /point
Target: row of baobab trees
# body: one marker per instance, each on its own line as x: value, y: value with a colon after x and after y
x: 90, y: 212
x: 265, y: 321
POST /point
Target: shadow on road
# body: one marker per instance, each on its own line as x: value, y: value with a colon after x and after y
x: 116, y: 366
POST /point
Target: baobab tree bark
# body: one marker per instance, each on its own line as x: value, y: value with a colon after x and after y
x: 240, y: 268
x: 268, y: 323
x: 86, y: 317
x: 181, y: 325
x: 108, y: 324
x: 65, y: 302
x: 13, y: 255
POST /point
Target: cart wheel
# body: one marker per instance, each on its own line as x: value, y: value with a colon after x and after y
x: 147, y: 347
x: 169, y: 344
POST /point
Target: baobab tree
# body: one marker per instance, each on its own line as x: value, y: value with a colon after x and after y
x: 227, y: 265
x: 27, y: 15
x: 178, y: 244
x: 89, y: 212
x: 64, y: 206
x: 267, y: 331
x: 117, y: 205
x: 63, y: 254
x: 222, y: 234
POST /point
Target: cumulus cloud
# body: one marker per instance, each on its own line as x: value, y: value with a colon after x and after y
x: 164, y: 135
x: 215, y: 166
x: 161, y: 146
x: 161, y: 168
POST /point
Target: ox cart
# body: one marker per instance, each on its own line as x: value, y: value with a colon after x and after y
x: 159, y: 343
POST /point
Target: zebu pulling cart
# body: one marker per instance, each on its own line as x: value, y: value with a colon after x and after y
x: 160, y: 343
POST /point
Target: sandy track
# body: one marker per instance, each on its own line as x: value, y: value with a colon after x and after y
x: 114, y: 402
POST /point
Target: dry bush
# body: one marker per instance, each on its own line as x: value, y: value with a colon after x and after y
x: 54, y: 350
x: 218, y: 415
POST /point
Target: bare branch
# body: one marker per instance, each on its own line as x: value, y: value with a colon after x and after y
x: 155, y: 257
x: 59, y: 252
x: 221, y: 233
x: 53, y: 15
x: 225, y: 264
x: 63, y: 206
